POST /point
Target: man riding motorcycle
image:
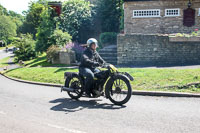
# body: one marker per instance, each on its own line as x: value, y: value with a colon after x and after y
x: 90, y: 60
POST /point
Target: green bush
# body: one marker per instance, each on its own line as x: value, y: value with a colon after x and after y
x: 108, y: 38
x: 25, y: 47
x: 60, y: 38
x: 52, y: 52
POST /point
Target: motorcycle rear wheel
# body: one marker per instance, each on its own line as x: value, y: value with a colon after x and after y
x: 76, y: 83
x: 119, y: 90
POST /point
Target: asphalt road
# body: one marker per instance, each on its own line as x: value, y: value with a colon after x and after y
x: 3, y: 54
x: 26, y: 108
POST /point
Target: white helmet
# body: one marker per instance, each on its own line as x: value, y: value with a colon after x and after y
x: 92, y: 41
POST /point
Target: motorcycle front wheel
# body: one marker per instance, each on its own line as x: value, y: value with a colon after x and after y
x: 76, y: 83
x: 119, y: 90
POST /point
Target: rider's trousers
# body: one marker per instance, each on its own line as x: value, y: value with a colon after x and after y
x: 89, y: 74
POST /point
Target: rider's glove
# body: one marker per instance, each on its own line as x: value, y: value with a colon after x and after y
x: 96, y: 64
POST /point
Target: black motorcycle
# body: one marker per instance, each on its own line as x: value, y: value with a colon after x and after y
x: 117, y: 85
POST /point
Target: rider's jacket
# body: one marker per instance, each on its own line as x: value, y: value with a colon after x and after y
x: 89, y: 58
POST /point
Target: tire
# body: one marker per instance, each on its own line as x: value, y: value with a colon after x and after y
x: 76, y: 83
x: 115, y: 87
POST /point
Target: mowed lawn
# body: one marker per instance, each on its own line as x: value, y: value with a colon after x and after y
x: 150, y: 79
x: 4, y: 62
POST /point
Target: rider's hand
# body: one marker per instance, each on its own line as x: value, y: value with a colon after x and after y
x: 96, y: 64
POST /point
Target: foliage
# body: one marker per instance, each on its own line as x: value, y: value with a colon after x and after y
x: 60, y: 38
x: 7, y: 28
x: 108, y: 38
x: 52, y: 52
x: 196, y: 33
x: 45, y: 31
x: 122, y: 21
x: 76, y: 18
x: 110, y: 12
x: 33, y: 17
x: 76, y: 48
x: 15, y: 17
x: 25, y: 47
x: 3, y: 11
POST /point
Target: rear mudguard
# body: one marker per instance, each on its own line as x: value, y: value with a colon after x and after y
x: 69, y: 75
x: 111, y: 80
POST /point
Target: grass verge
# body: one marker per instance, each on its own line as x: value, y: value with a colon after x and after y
x: 178, y: 80
x: 41, y: 61
x: 4, y: 62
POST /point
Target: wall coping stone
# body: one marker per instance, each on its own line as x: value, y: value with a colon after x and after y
x: 184, y: 39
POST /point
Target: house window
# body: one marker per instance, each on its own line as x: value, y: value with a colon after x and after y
x: 172, y: 12
x: 146, y: 13
x: 199, y: 11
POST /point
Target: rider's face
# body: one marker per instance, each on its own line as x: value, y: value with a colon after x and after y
x: 93, y: 46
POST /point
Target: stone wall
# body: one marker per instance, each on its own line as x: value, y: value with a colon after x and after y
x: 163, y: 24
x: 63, y: 57
x: 154, y: 50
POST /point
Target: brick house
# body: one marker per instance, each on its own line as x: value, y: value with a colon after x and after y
x: 158, y: 16
x: 146, y: 24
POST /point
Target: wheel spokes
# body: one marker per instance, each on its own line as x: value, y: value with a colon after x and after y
x: 118, y: 88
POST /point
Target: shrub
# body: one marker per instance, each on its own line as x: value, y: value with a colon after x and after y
x: 25, y: 47
x: 52, y: 52
x: 108, y: 38
x: 76, y: 48
x: 60, y: 38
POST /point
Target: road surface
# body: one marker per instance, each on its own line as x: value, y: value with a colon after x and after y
x: 3, y: 53
x: 26, y: 108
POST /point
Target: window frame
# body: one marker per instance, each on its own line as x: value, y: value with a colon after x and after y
x: 144, y: 13
x: 199, y: 12
x: 178, y: 9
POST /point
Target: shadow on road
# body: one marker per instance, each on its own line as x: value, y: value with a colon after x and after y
x: 69, y: 105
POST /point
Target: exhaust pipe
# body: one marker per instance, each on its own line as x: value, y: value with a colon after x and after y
x: 63, y: 88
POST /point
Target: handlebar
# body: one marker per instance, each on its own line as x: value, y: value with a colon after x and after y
x: 104, y: 65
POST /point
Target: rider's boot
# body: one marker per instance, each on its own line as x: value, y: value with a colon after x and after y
x: 87, y: 92
x: 96, y: 93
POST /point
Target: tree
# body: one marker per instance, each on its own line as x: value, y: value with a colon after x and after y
x: 110, y: 12
x: 44, y: 31
x: 25, y: 47
x: 7, y: 28
x: 3, y: 11
x: 13, y: 17
x: 33, y: 17
x: 18, y: 19
x: 76, y: 18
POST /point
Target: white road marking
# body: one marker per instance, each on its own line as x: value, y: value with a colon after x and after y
x: 2, y: 113
x: 65, y: 129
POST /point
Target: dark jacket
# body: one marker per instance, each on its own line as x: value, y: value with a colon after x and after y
x: 89, y: 58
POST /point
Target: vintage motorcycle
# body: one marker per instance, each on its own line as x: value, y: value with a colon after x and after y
x: 113, y: 84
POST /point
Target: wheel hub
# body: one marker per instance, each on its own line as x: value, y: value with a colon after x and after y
x: 118, y: 90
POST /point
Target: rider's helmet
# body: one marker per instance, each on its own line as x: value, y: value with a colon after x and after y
x: 92, y: 41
